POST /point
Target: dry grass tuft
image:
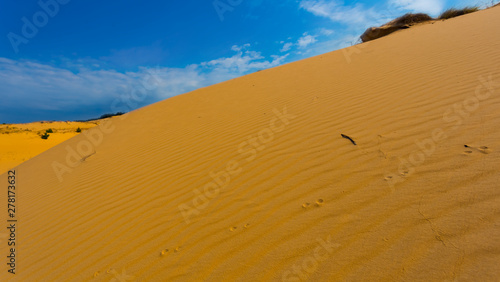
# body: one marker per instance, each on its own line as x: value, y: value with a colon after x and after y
x: 451, y: 13
x: 402, y: 22
x: 409, y: 19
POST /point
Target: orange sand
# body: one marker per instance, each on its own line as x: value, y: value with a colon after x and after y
x: 21, y: 142
x: 135, y: 199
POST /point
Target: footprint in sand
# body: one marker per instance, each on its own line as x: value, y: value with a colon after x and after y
x: 247, y: 225
x: 165, y: 252
x: 232, y: 229
x: 96, y: 274
x: 319, y: 202
x: 483, y: 149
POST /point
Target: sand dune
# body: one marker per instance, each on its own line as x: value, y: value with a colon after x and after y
x: 21, y: 142
x: 251, y: 180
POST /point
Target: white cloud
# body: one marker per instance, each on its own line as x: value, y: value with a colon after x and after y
x: 329, y: 45
x: 306, y: 40
x: 338, y: 12
x: 286, y: 47
x: 326, y: 32
x: 237, y: 48
x: 242, y: 63
x: 432, y: 7
x: 29, y: 86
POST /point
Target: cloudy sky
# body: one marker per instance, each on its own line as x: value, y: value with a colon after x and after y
x: 75, y: 59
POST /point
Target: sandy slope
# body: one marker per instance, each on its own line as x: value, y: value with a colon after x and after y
x: 306, y: 203
x: 21, y: 142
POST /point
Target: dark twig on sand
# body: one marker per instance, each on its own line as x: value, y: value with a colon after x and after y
x: 347, y: 137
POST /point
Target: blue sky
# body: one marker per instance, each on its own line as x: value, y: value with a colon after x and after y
x: 75, y: 59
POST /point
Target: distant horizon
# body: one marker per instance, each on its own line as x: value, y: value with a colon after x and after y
x: 108, y: 115
x: 67, y: 60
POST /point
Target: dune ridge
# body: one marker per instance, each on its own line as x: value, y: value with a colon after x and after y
x: 310, y: 205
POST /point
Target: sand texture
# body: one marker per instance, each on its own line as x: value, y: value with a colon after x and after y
x: 21, y: 142
x: 251, y: 180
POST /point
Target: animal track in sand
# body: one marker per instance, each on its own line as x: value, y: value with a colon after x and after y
x: 405, y: 173
x: 483, y: 149
x: 318, y: 203
x: 165, y: 252
x: 234, y: 228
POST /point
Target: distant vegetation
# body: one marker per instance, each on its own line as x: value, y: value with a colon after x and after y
x: 408, y: 20
x: 111, y: 115
x: 45, y: 136
x: 78, y: 130
x: 102, y: 117
x: 49, y: 130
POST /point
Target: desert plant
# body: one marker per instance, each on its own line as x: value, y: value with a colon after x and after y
x: 45, y: 136
x: 78, y: 130
x: 409, y: 19
x: 451, y: 13
x: 49, y: 130
x: 402, y: 22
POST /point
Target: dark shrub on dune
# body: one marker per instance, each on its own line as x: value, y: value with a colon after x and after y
x: 410, y: 19
x: 402, y: 22
x: 451, y: 13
